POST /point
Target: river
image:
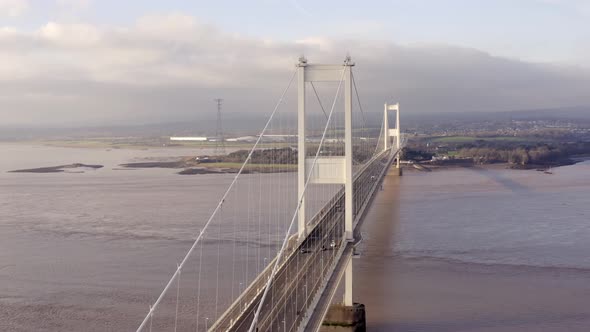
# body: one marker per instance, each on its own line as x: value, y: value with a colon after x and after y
x: 478, y: 249
x: 456, y: 250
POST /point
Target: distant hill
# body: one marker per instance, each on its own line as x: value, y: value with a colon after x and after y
x: 565, y: 113
x: 205, y: 126
x: 238, y: 124
x: 553, y: 113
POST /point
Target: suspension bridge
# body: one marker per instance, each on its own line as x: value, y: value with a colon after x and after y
x: 278, y: 245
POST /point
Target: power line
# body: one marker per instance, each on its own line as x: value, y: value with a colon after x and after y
x: 219, y: 139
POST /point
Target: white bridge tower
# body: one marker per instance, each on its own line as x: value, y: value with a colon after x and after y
x: 392, y: 132
x: 327, y: 170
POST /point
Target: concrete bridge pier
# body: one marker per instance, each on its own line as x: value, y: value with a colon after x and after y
x: 348, y: 283
x: 341, y: 318
x: 348, y: 316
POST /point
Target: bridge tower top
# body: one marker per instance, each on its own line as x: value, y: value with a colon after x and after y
x: 325, y: 170
x: 392, y: 132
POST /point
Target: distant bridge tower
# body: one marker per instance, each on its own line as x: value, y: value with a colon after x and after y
x: 392, y: 132
x: 327, y: 170
x: 219, y: 139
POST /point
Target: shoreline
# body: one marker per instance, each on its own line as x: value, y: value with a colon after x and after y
x: 190, y: 167
x: 429, y: 167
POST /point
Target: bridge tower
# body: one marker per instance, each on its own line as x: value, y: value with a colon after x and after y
x: 327, y: 170
x: 392, y: 132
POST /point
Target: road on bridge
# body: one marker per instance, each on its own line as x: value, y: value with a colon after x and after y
x: 299, y: 279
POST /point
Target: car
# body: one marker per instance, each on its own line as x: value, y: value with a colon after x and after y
x: 333, y: 244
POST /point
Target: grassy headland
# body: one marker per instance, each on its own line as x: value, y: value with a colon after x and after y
x: 274, y: 160
x: 516, y: 151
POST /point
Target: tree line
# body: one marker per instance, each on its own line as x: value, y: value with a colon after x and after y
x: 525, y: 155
x: 288, y: 155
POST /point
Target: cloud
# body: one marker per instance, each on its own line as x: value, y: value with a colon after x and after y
x: 167, y: 67
x: 70, y: 34
x: 300, y: 9
x: 582, y: 7
x: 13, y: 8
x: 74, y: 4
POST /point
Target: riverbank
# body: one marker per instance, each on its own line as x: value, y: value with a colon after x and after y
x: 439, y: 165
x: 275, y: 160
x: 429, y: 167
x: 190, y: 167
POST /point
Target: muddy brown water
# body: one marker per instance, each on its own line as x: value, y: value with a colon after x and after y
x: 454, y: 250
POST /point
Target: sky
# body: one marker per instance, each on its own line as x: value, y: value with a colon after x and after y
x: 90, y: 62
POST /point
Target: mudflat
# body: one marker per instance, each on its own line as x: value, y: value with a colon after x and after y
x: 76, y: 167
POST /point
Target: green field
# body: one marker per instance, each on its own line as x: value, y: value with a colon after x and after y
x: 248, y: 166
x: 471, y: 139
x: 240, y: 145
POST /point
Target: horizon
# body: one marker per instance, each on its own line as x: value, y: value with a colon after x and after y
x: 248, y: 124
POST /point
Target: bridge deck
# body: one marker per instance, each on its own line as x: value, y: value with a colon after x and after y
x: 297, y: 287
x: 325, y: 297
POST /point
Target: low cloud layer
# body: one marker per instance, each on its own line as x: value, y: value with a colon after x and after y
x: 13, y: 8
x: 167, y: 68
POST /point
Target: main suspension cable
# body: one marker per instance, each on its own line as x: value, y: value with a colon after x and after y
x: 217, y: 208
